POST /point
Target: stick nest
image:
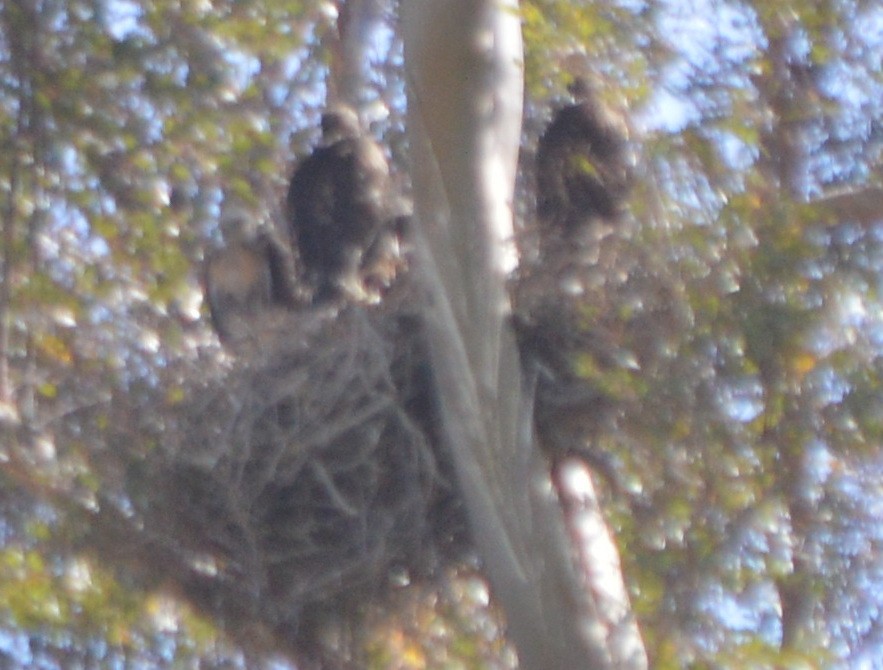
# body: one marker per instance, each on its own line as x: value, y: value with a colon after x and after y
x: 303, y: 482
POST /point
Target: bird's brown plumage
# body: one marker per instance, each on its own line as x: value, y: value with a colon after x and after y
x: 583, y: 168
x: 337, y: 204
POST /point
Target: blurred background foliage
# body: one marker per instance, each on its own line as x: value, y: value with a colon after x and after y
x: 747, y: 417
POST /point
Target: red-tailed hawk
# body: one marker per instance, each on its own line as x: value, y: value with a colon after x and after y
x: 583, y: 166
x: 247, y: 283
x: 337, y: 203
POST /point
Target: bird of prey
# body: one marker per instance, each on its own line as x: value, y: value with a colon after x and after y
x: 337, y: 205
x: 583, y: 166
x: 247, y: 281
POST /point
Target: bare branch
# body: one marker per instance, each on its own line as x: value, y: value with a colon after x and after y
x: 864, y: 207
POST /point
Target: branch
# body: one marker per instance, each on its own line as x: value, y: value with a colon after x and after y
x: 864, y: 207
x: 357, y: 22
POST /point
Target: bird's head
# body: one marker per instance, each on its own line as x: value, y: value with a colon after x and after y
x: 237, y: 224
x: 581, y: 88
x: 339, y: 123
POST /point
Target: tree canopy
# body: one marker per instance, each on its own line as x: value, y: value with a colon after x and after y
x: 729, y: 330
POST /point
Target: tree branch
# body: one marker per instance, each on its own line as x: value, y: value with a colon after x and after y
x: 863, y: 206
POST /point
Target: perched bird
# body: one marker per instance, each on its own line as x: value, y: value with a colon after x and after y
x: 337, y: 204
x: 583, y: 166
x: 247, y: 281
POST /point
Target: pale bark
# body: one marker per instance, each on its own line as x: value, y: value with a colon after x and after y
x: 350, y: 47
x: 464, y: 69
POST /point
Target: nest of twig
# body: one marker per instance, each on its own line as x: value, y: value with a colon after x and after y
x: 303, y: 484
x: 595, y: 316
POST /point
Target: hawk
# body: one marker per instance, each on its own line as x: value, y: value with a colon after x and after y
x: 247, y: 281
x: 337, y: 206
x: 583, y: 166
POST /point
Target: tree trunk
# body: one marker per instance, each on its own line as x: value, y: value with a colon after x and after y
x: 464, y: 67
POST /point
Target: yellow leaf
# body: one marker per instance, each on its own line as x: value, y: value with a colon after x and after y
x: 55, y: 348
x: 802, y: 363
x: 48, y: 390
x: 175, y: 395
